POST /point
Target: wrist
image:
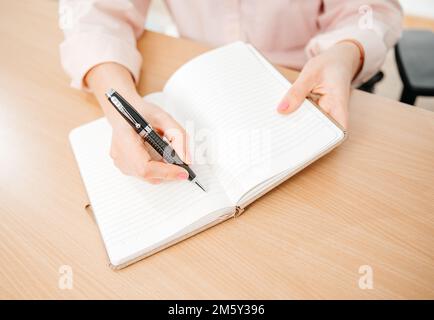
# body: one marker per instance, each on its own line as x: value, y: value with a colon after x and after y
x: 356, y: 53
x: 108, y: 75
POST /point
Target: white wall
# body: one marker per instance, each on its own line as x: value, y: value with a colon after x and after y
x: 423, y: 8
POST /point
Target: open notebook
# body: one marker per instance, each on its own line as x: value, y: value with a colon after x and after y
x: 229, y: 96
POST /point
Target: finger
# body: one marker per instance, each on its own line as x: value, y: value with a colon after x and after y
x: 156, y: 170
x: 176, y: 135
x: 336, y: 105
x: 154, y: 181
x: 128, y: 152
x: 296, y: 94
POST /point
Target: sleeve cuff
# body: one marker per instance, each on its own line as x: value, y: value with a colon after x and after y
x: 82, y: 52
x: 373, y: 44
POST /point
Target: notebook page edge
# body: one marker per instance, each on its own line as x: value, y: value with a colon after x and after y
x: 285, y: 175
x: 184, y: 234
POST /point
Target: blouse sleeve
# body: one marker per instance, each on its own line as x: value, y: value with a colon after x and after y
x: 375, y: 24
x: 98, y: 31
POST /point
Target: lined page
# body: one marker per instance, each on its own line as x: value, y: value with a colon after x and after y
x: 233, y: 92
x: 133, y: 216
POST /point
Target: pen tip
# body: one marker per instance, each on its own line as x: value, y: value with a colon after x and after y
x: 200, y: 186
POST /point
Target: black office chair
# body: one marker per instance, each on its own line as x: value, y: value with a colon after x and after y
x: 415, y: 59
x: 369, y: 86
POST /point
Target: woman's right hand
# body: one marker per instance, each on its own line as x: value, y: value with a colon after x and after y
x: 133, y: 158
x: 128, y: 150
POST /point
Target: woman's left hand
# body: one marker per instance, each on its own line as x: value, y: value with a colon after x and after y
x: 328, y: 75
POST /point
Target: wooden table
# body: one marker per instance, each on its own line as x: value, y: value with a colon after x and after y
x: 370, y: 202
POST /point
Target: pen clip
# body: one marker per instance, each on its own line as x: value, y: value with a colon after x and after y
x: 124, y: 111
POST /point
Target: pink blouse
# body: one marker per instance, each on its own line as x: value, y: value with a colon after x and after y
x: 288, y: 32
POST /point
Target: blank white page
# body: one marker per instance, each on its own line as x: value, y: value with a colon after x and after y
x: 233, y: 92
x: 134, y: 217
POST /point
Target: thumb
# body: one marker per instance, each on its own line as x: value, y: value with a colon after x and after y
x: 295, y: 95
x: 336, y: 106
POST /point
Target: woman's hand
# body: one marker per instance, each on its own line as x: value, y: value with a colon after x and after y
x: 133, y: 158
x: 328, y: 75
x: 128, y: 151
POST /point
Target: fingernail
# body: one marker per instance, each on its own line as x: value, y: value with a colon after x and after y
x: 183, y: 176
x: 283, y: 106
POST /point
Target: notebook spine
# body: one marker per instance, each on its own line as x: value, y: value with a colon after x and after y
x: 238, y: 211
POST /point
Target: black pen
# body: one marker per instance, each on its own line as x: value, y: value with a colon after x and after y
x: 145, y: 130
